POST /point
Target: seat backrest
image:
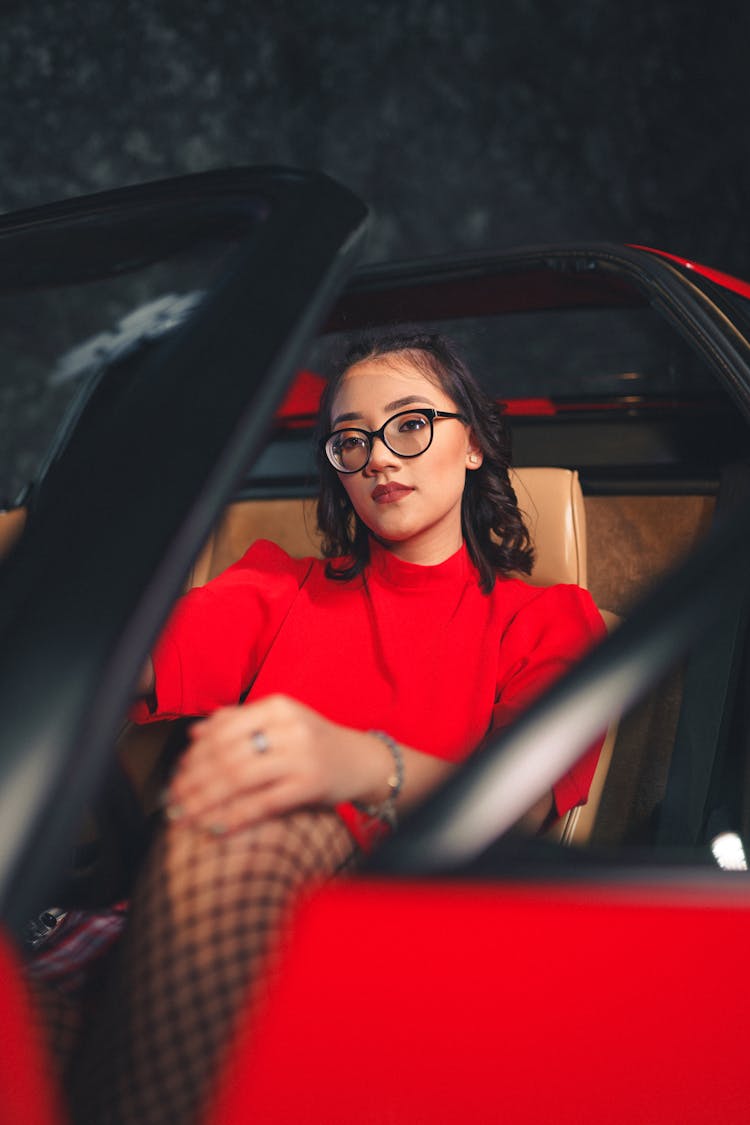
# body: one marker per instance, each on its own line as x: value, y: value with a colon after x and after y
x: 550, y: 500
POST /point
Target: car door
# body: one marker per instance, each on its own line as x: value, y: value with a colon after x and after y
x: 179, y: 309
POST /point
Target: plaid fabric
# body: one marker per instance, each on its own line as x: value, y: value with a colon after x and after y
x: 76, y: 945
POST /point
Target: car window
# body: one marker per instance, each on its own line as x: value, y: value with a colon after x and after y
x: 57, y: 342
x: 608, y: 391
x: 564, y: 354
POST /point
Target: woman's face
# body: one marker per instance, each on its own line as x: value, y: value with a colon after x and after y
x: 412, y: 505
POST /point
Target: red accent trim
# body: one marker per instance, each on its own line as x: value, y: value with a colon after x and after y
x: 536, y: 406
x: 725, y: 280
x: 303, y: 398
x: 300, y: 406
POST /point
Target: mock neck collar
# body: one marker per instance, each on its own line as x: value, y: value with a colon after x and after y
x: 398, y: 572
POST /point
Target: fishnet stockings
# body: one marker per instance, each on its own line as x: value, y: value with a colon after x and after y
x: 205, y: 923
x: 60, y: 1017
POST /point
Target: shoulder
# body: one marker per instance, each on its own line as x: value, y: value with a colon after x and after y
x: 550, y: 608
x: 525, y: 593
x: 266, y: 561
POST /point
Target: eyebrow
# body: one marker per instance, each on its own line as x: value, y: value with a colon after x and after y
x: 353, y: 416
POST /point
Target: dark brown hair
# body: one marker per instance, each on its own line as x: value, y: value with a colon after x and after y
x: 493, y: 528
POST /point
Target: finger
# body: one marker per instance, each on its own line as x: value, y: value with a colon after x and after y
x: 220, y: 764
x: 277, y: 728
x: 236, y: 724
x: 242, y: 810
x: 271, y: 711
x: 215, y: 766
x: 210, y: 737
x: 203, y: 779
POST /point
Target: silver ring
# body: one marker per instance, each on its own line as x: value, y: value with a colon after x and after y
x: 259, y: 741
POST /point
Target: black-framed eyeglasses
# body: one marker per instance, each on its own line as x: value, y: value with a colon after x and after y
x: 407, y: 434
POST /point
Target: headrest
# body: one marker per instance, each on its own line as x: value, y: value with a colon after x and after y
x: 551, y: 502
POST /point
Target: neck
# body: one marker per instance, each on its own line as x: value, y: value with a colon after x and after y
x: 427, y: 550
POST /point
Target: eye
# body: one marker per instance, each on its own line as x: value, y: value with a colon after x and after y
x: 412, y: 423
x: 349, y: 442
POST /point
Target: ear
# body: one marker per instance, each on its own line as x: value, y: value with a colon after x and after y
x: 474, y: 455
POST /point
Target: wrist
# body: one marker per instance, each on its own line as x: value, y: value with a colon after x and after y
x: 386, y: 808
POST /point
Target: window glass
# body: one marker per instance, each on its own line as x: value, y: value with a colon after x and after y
x: 564, y: 354
x: 594, y: 389
x: 57, y: 342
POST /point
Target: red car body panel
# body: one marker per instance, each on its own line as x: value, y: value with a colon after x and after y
x: 29, y: 1092
x: 448, y: 1003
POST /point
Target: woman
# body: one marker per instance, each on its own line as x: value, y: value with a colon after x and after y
x: 337, y: 693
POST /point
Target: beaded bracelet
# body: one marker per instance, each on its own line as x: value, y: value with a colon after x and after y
x: 387, y: 810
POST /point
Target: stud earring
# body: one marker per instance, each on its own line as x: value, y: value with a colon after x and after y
x: 473, y: 459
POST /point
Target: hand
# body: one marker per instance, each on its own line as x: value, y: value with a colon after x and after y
x: 246, y: 763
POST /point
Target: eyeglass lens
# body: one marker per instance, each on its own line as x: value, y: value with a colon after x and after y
x: 406, y: 435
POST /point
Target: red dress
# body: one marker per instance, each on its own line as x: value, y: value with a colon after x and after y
x: 417, y: 651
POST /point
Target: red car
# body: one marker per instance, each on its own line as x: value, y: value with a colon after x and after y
x: 595, y: 977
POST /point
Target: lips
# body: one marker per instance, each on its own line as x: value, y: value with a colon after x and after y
x: 387, y: 493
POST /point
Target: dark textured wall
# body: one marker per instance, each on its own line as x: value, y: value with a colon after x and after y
x: 469, y: 125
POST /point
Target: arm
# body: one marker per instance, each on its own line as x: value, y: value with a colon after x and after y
x: 306, y: 760
x: 218, y: 635
x: 539, y: 817
x: 223, y: 780
x: 545, y: 638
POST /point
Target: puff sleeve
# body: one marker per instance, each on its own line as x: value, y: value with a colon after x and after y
x: 218, y: 634
x: 543, y: 639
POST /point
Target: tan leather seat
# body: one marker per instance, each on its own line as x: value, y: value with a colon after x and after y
x: 552, y: 502
x: 12, y: 523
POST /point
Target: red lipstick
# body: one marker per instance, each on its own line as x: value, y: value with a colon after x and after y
x: 387, y: 493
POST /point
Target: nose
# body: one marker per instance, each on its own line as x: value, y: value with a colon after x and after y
x: 381, y: 457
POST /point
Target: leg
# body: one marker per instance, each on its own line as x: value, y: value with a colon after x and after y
x: 60, y: 1018
x: 205, y: 922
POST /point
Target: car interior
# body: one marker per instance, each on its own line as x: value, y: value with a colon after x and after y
x: 617, y: 490
x: 631, y: 461
x: 553, y: 504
